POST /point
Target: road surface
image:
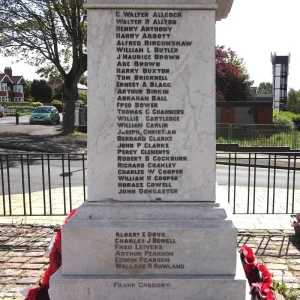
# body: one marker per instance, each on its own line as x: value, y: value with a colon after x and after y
x: 23, y: 120
x: 12, y: 120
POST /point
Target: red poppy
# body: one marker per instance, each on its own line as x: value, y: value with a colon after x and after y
x: 264, y: 291
x: 55, y: 257
x: 265, y: 274
x: 248, y: 255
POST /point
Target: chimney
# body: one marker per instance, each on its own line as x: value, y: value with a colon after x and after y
x: 8, y: 71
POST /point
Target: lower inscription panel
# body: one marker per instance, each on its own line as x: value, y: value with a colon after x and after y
x: 152, y: 249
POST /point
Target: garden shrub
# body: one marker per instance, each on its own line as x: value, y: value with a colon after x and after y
x: 82, y: 96
x: 58, y: 104
x: 35, y: 104
x: 296, y: 120
x: 283, y: 120
x: 78, y: 103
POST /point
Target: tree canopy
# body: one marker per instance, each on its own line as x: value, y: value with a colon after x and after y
x: 232, y: 79
x: 41, y: 91
x: 293, y: 101
x: 49, y: 34
x: 265, y: 88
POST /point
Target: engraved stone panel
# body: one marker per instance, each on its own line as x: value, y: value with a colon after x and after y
x: 164, y: 248
x: 152, y: 127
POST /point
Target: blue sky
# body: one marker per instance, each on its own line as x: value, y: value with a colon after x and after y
x: 254, y: 29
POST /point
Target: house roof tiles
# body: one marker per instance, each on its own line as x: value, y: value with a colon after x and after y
x: 6, y: 77
x: 16, y: 79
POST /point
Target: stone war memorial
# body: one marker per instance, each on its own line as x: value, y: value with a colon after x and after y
x: 154, y: 225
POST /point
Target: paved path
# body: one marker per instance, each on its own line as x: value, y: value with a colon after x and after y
x: 40, y: 138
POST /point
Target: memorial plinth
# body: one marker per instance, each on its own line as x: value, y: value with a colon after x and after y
x: 153, y: 226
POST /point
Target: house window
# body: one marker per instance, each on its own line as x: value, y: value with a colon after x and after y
x: 18, y: 88
x: 18, y: 99
x: 3, y: 98
x: 3, y: 87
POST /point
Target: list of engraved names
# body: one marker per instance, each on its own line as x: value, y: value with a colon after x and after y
x: 147, y: 121
x: 144, y: 250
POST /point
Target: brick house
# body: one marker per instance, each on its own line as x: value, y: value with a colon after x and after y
x: 11, y: 87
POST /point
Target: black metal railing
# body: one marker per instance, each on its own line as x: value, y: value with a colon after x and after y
x: 54, y: 184
x: 41, y: 184
x: 258, y: 135
x: 260, y: 183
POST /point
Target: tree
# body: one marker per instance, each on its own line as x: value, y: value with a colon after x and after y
x: 50, y: 73
x: 41, y: 91
x: 232, y: 78
x: 27, y: 91
x: 293, y: 101
x: 265, y: 88
x: 50, y: 34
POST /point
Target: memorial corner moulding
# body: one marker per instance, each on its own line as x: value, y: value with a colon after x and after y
x: 222, y: 7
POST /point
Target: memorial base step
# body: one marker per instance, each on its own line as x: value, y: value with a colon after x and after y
x: 150, y: 287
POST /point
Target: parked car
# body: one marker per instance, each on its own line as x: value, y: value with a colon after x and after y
x: 45, y: 115
x: 2, y: 111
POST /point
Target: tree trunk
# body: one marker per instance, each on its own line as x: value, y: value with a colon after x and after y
x: 69, y: 109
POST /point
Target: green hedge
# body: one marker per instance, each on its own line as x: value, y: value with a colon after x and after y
x: 20, y: 107
x: 8, y: 104
x: 20, y: 104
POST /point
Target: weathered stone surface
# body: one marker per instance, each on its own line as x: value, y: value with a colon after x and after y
x: 3, y: 259
x: 274, y: 260
x: 279, y: 296
x: 15, y: 253
x: 149, y: 287
x: 277, y: 267
x: 190, y: 101
x: 98, y: 246
x: 293, y: 285
x: 293, y: 261
x: 34, y: 254
x: 32, y: 266
x: 295, y: 267
x: 158, y: 233
x: 10, y: 273
x: 33, y: 273
x: 6, y: 280
x: 28, y: 280
x: 39, y: 260
x: 18, y: 259
x: 8, y: 265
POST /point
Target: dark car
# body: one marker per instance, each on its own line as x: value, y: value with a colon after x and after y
x: 45, y: 115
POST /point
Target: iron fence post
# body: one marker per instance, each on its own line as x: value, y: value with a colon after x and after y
x: 294, y: 139
x: 17, y: 118
x: 230, y: 134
